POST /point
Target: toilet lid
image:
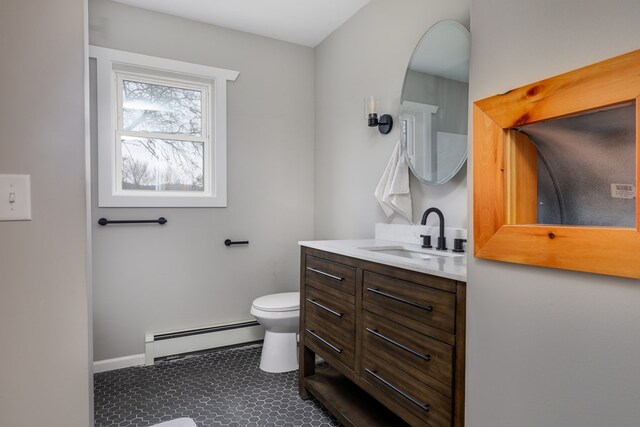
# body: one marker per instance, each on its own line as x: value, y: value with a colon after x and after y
x: 286, y: 301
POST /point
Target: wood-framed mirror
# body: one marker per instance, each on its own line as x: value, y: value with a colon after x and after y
x: 506, y: 171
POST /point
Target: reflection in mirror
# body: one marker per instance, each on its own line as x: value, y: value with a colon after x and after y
x: 585, y: 166
x: 434, y: 103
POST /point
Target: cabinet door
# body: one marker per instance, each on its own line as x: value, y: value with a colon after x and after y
x: 327, y: 338
x: 429, y: 360
x: 428, y: 305
x: 329, y: 308
x: 327, y: 273
x: 422, y: 400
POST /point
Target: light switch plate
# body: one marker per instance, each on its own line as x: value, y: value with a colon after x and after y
x: 15, y: 197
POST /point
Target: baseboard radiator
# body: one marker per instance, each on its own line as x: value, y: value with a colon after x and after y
x: 191, y: 340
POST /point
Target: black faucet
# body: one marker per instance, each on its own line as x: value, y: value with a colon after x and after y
x: 442, y: 241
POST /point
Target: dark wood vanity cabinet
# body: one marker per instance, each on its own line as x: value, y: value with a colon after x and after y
x: 392, y: 339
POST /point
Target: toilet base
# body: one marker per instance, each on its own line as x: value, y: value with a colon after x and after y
x: 279, y: 352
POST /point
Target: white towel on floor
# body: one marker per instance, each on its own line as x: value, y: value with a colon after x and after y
x: 393, y: 191
x: 179, y: 422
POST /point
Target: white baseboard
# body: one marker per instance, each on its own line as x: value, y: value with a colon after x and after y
x: 118, y: 363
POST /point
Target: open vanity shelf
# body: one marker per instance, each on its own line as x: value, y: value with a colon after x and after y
x: 392, y: 339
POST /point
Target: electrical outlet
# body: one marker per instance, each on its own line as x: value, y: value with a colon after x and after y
x: 15, y: 197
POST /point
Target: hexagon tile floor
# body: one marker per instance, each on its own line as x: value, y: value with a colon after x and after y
x: 220, y: 388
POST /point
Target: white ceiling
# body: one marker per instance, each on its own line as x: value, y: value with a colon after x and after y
x: 305, y: 22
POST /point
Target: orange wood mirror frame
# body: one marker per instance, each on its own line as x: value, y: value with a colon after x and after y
x: 504, y: 173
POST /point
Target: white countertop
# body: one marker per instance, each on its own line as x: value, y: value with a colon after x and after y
x: 443, y: 266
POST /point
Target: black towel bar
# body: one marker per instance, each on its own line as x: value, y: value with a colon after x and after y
x: 229, y: 242
x: 104, y: 221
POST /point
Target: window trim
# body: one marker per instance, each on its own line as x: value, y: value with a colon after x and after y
x: 110, y: 61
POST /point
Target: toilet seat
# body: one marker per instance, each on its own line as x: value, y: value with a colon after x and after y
x: 286, y: 301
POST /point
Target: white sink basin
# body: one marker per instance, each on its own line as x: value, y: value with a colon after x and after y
x: 409, y: 252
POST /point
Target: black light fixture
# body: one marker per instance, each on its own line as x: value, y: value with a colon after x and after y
x: 384, y: 123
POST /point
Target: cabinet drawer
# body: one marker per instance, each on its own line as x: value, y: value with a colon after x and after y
x: 326, y: 337
x: 427, y: 305
x: 329, y: 308
x: 429, y: 360
x: 337, y: 276
x: 416, y: 396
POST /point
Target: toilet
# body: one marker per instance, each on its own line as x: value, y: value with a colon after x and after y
x: 280, y: 316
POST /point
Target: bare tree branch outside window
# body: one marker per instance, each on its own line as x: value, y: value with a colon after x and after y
x: 161, y: 164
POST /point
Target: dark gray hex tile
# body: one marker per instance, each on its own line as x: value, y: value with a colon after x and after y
x: 219, y: 388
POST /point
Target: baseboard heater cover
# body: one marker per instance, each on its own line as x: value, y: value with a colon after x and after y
x: 187, y: 341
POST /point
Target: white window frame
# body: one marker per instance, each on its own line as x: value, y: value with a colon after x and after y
x: 112, y: 65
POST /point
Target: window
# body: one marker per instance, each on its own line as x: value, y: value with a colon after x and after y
x: 161, y: 135
x: 161, y: 131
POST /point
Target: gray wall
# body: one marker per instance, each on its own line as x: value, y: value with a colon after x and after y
x: 548, y: 347
x: 44, y: 371
x: 368, y: 55
x: 149, y: 279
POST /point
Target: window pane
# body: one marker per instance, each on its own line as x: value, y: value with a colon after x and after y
x: 162, y: 165
x: 164, y: 109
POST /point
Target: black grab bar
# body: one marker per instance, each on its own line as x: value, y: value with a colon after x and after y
x: 162, y: 220
x: 230, y: 242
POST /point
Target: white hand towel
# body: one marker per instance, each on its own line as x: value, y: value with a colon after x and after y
x: 178, y: 422
x: 393, y: 191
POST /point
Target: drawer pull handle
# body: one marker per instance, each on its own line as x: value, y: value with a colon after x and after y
x: 425, y: 357
x: 338, y: 278
x: 423, y: 406
x: 335, y: 313
x: 406, y: 301
x: 331, y: 346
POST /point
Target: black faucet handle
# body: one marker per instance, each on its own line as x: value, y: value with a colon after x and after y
x: 458, y: 245
x: 426, y: 241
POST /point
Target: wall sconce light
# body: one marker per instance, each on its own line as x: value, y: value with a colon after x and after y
x: 384, y: 123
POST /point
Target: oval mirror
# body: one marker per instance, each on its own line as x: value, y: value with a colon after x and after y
x: 434, y: 103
